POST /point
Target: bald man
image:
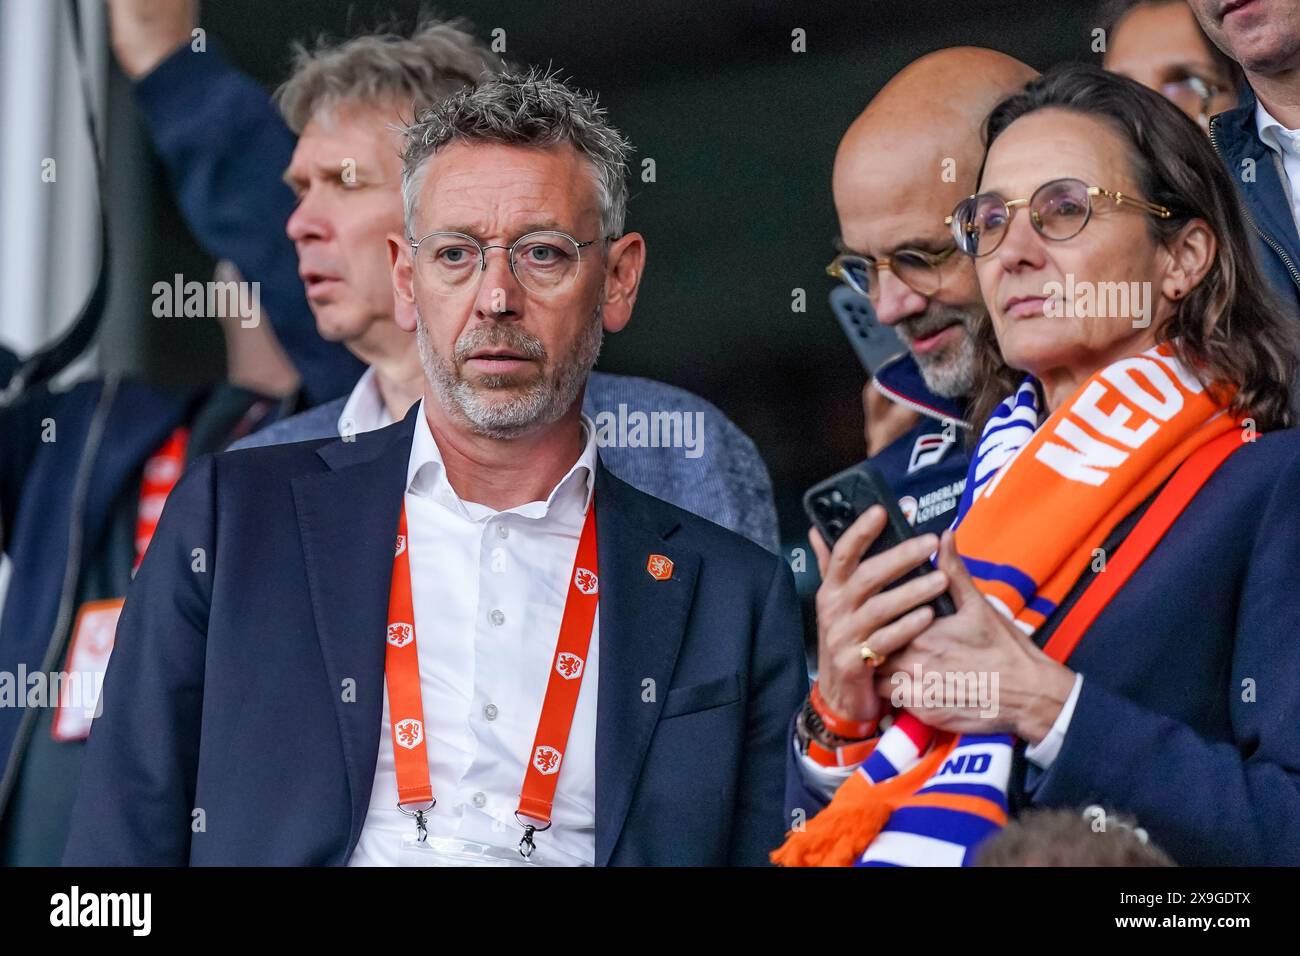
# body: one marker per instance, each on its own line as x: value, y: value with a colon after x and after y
x: 901, y: 168
x: 891, y: 200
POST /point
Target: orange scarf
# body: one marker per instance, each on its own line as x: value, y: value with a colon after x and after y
x: 1040, y: 500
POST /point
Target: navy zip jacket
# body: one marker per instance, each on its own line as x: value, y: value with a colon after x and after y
x: 67, y: 462
x: 1277, y: 240
x: 926, y: 467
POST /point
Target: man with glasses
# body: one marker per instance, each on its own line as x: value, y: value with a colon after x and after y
x: 901, y: 168
x: 332, y: 143
x: 436, y: 643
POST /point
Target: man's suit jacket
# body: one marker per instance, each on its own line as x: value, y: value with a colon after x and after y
x: 242, y: 706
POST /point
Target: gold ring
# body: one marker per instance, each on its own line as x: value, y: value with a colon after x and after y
x: 871, y: 657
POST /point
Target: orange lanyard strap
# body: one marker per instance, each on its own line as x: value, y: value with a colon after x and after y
x: 402, y: 674
x: 565, y: 681
x: 161, y: 472
x: 406, y: 708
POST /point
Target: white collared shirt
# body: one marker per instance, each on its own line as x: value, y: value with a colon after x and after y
x: 364, y: 410
x: 1286, y: 143
x: 489, y: 590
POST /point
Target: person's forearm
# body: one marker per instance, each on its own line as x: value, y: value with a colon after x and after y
x: 145, y: 32
x: 804, y: 798
x: 1034, y: 714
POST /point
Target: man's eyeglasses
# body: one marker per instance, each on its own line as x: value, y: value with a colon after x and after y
x: 920, y: 271
x: 545, y: 262
x: 1058, y: 210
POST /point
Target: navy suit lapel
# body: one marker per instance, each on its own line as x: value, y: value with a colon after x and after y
x: 642, y: 622
x: 347, y: 517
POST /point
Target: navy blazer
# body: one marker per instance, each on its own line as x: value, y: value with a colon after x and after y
x: 225, y: 738
x: 1189, y: 718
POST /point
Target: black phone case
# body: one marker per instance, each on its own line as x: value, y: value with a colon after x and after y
x: 834, y: 504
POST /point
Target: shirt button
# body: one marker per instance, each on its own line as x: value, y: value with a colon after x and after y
x: 497, y: 617
x: 490, y: 711
x: 480, y: 800
x: 503, y: 531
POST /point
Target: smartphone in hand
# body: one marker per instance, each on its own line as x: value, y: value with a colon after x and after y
x: 834, y: 504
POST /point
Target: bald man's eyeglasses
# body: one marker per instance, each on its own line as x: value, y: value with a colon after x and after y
x: 922, y: 272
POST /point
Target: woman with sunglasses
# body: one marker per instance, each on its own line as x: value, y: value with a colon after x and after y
x: 1125, y: 562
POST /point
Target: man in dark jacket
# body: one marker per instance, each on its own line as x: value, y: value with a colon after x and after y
x: 1260, y: 140
x: 892, y: 203
x: 331, y: 141
x: 218, y: 727
x: 897, y: 252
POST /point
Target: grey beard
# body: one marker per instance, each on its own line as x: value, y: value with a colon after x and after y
x: 952, y: 374
x: 541, y: 403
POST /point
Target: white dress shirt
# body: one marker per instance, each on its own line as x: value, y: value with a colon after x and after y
x: 489, y: 589
x: 364, y: 410
x: 1286, y: 144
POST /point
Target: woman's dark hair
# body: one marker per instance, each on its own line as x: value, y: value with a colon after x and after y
x: 1229, y: 329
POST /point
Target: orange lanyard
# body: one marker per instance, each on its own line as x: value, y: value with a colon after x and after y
x: 161, y: 472
x: 406, y: 708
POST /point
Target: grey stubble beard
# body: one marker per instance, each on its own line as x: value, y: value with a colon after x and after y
x: 540, y: 403
x: 951, y: 373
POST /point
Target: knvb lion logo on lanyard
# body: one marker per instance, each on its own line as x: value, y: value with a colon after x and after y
x: 406, y: 708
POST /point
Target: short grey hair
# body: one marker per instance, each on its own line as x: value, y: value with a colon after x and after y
x: 439, y: 57
x: 531, y: 108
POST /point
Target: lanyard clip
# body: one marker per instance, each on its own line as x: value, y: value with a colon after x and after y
x: 421, y: 828
x: 526, y: 845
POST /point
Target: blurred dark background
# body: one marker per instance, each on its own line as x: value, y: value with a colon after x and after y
x: 743, y: 132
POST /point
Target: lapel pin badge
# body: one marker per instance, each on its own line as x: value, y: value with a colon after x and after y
x: 660, y: 567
